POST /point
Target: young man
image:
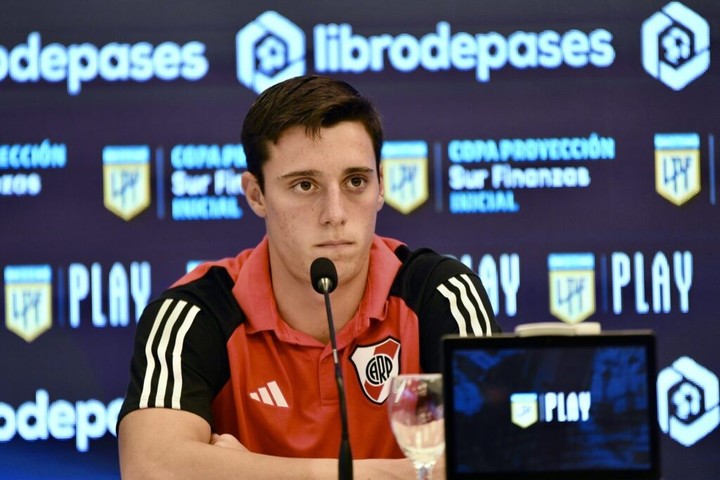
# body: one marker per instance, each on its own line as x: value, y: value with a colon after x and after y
x: 233, y: 373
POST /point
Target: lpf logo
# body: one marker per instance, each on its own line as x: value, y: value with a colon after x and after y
x: 28, y: 297
x: 572, y: 286
x: 405, y: 174
x: 688, y: 406
x: 270, y: 49
x: 126, y: 179
x: 677, y: 166
x: 524, y: 409
x: 675, y: 45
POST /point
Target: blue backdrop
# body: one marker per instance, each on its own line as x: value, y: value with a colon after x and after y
x: 566, y: 151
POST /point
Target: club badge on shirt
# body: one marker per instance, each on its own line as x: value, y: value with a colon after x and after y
x: 375, y: 364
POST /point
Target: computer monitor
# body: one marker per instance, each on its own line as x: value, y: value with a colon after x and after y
x: 551, y: 407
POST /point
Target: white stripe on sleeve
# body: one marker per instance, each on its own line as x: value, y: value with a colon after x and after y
x: 150, y: 368
x: 474, y: 323
x: 162, y: 352
x: 486, y: 317
x: 177, y: 355
x: 452, y: 298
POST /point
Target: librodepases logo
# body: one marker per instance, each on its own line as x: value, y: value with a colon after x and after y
x: 688, y: 401
x: 270, y: 49
x: 76, y: 64
x: 41, y: 419
x: 675, y: 45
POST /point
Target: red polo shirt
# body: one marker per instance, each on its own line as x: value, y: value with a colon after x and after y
x: 215, y: 345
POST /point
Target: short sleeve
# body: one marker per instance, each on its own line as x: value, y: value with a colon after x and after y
x: 448, y: 298
x: 180, y: 358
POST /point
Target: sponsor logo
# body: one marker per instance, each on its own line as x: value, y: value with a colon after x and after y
x: 28, y: 156
x: 339, y: 49
x: 529, y: 408
x: 675, y: 45
x: 499, y: 276
x: 270, y: 49
x: 86, y: 295
x: 270, y: 394
x: 677, y: 166
x: 28, y: 300
x: 405, y: 174
x: 375, y: 365
x: 572, y: 286
x: 665, y: 272
x: 524, y: 409
x: 206, y: 181
x: 126, y: 179
x: 40, y: 419
x: 115, y: 62
x: 88, y: 299
x: 688, y: 401
x: 484, y: 174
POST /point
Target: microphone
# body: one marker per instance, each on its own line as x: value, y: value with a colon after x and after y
x: 323, y: 275
x: 324, y: 280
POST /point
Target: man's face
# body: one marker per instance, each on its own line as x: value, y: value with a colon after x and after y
x: 321, y: 197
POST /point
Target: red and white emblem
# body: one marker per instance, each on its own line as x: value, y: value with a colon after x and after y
x: 375, y: 365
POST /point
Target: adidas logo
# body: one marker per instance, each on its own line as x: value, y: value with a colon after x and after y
x: 270, y: 395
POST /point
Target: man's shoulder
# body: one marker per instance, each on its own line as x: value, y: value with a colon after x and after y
x: 412, y: 259
x: 425, y: 262
x: 422, y: 270
x: 210, y: 288
x: 209, y: 281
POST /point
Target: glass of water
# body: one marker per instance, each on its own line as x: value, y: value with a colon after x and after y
x: 415, y: 410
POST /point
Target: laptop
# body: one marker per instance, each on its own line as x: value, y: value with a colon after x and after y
x: 551, y: 406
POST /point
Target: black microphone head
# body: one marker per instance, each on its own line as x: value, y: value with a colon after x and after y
x: 323, y: 275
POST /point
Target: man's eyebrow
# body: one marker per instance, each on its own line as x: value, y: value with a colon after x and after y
x: 318, y: 173
x: 352, y: 170
x: 300, y: 173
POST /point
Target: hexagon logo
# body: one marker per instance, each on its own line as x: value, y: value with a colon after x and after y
x: 688, y: 401
x: 270, y: 49
x: 675, y: 45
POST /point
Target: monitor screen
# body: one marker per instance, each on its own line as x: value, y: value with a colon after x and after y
x: 551, y: 407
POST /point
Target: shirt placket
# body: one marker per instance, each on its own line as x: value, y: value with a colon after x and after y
x: 326, y: 377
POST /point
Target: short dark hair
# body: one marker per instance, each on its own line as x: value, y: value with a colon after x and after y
x: 310, y: 101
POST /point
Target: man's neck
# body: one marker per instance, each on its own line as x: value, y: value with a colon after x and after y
x: 303, y: 309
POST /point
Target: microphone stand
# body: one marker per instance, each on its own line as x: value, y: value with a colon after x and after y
x: 345, y: 465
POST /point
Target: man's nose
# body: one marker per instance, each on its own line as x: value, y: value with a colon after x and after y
x: 333, y: 208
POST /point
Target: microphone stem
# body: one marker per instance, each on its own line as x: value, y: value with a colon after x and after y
x: 345, y: 467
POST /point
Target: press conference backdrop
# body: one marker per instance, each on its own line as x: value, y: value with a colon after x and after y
x: 566, y: 151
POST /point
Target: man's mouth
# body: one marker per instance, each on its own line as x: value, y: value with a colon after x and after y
x: 335, y: 244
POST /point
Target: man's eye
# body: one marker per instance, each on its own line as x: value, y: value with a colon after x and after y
x: 304, y: 185
x: 357, y: 181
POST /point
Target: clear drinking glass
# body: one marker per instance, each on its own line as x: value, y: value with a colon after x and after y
x: 415, y: 409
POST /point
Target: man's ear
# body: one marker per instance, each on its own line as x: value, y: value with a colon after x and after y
x: 254, y: 194
x: 381, y: 193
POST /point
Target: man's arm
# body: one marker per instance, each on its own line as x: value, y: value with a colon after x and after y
x: 160, y: 443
